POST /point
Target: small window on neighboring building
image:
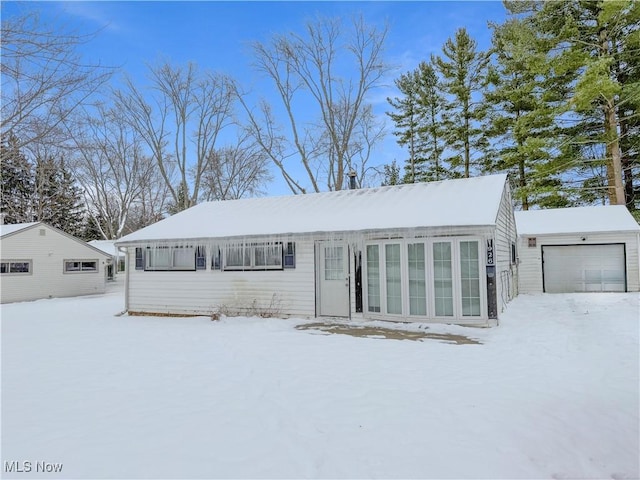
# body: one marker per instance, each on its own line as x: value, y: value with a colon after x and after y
x: 80, y: 266
x: 15, y: 267
x: 201, y: 257
x: 531, y: 241
x: 514, y: 257
x: 139, y: 258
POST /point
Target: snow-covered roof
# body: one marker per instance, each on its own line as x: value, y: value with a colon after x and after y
x: 609, y: 218
x: 17, y: 227
x: 462, y: 202
x: 107, y: 246
x: 14, y: 227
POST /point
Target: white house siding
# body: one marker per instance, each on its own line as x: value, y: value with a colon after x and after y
x: 288, y: 292
x: 47, y: 278
x: 505, y: 236
x: 530, y: 268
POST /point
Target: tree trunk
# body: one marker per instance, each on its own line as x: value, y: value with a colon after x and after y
x: 627, y: 170
x: 614, y: 157
x: 467, y: 148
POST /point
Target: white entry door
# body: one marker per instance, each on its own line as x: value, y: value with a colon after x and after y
x: 333, y: 282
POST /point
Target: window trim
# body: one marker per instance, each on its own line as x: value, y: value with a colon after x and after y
x: 9, y: 261
x: 65, y: 270
x: 249, y: 252
x: 172, y: 267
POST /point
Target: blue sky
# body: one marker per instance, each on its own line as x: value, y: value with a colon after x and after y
x: 215, y: 35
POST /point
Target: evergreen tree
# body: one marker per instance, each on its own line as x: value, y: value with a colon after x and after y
x: 58, y: 200
x: 418, y: 123
x: 463, y: 70
x: 391, y: 174
x: 17, y: 182
x: 520, y: 120
x: 407, y: 118
x: 430, y: 164
x: 594, y: 41
x: 182, y: 193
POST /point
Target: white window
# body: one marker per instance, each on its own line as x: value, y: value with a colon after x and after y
x: 333, y: 263
x: 267, y: 256
x: 237, y: 258
x: 15, y: 267
x: 257, y: 256
x: 373, y: 278
x: 443, y: 279
x: 417, y: 282
x: 393, y: 275
x: 80, y: 266
x: 170, y: 258
x: 470, y: 279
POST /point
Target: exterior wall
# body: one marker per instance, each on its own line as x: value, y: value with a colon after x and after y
x: 505, y: 237
x: 292, y: 292
x: 47, y: 278
x: 530, y: 258
x: 288, y: 292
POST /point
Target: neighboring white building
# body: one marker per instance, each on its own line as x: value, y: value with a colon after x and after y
x: 439, y: 251
x: 582, y: 249
x: 40, y: 261
x: 117, y: 257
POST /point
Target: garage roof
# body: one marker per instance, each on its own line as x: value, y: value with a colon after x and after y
x: 462, y: 202
x: 594, y: 219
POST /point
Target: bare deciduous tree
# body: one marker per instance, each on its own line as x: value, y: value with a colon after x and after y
x: 116, y: 176
x: 236, y: 171
x: 329, y: 76
x: 44, y: 79
x: 179, y: 120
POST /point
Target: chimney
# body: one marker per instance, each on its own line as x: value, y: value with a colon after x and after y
x: 352, y: 179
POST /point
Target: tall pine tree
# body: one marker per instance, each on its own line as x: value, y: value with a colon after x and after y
x: 593, y: 40
x: 16, y: 177
x: 463, y: 69
x: 520, y: 119
x: 417, y: 119
x: 58, y: 200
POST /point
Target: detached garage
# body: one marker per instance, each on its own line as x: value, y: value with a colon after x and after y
x: 40, y: 261
x: 583, y: 249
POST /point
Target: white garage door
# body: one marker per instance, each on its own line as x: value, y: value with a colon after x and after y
x: 583, y: 268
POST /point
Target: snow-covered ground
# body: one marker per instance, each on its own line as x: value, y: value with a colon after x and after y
x: 550, y: 393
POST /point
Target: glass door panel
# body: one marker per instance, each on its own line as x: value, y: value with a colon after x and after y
x: 373, y: 278
x: 417, y: 283
x: 393, y: 274
x: 470, y: 279
x: 442, y: 279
